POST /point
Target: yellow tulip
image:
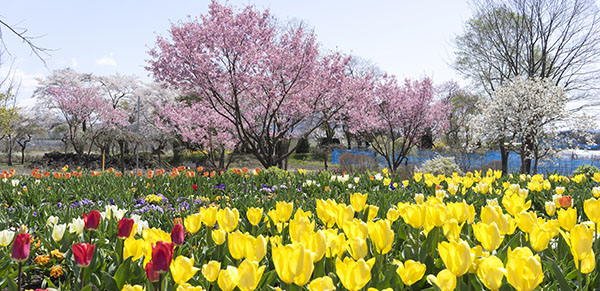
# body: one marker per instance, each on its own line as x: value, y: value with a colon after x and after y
x: 254, y: 215
x: 458, y: 211
x: 299, y: 226
x: 321, y: 284
x: 410, y: 271
x: 249, y: 274
x: 470, y: 213
x: 494, y: 214
x: 392, y: 214
x: 526, y: 220
x: 381, y: 235
x: 488, y: 235
x: 209, y: 216
x: 580, y: 240
x: 182, y: 269
x: 435, y: 216
x: 539, y: 237
x: 523, y: 269
x: 336, y: 243
x: 133, y: 248
x: 344, y: 213
x: 293, y: 263
x: 550, y: 208
x: 452, y: 230
x: 210, y: 270
x: 356, y: 228
x: 588, y: 263
x: 414, y: 215
x: 515, y: 204
x: 154, y: 235
x: 284, y: 210
x: 591, y: 207
x: 567, y: 218
x: 237, y: 245
x: 373, y: 210
x: 316, y: 242
x: 357, y: 248
x: 256, y: 248
x: 193, y: 222
x: 228, y: 278
x: 456, y: 256
x: 354, y: 274
x: 490, y: 272
x: 445, y: 280
x: 228, y: 219
x: 128, y: 287
x: 218, y: 236
x: 326, y: 211
x: 358, y: 201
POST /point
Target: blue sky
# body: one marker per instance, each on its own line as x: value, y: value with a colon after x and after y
x: 408, y: 38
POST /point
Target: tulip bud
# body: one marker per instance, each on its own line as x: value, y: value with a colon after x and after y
x: 254, y: 215
x: 358, y: 201
x: 565, y: 201
x: 182, y: 269
x: 162, y: 254
x: 210, y: 270
x: 151, y: 273
x: 21, y: 246
x: 219, y: 236
x: 550, y: 208
x: 490, y: 272
x: 83, y: 254
x: 125, y: 227
x: 522, y: 261
x: 92, y: 220
x: 410, y: 271
x: 444, y: 280
x: 249, y: 274
x: 177, y: 234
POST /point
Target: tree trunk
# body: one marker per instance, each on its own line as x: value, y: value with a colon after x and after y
x: 176, y: 153
x: 122, y: 155
x: 504, y: 159
x: 9, y: 149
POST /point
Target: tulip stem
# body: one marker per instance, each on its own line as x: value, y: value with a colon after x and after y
x: 20, y: 275
x: 160, y: 277
x: 579, y: 283
x: 81, y: 271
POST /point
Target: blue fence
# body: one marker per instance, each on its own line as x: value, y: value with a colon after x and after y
x: 564, y: 164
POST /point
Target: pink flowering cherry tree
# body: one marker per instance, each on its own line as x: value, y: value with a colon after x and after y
x: 210, y: 132
x: 84, y: 110
x: 268, y: 82
x: 393, y: 117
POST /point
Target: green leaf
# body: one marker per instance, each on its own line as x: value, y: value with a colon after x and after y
x: 122, y: 273
x: 12, y: 286
x: 564, y: 285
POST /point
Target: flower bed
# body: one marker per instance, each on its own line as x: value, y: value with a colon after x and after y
x: 270, y: 230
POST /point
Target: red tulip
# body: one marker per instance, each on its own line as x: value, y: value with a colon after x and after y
x: 21, y: 246
x: 152, y: 275
x: 177, y: 234
x: 92, y: 220
x: 83, y: 254
x: 162, y: 254
x: 125, y: 227
x: 195, y: 187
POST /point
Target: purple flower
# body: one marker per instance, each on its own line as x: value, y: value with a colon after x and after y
x: 222, y: 186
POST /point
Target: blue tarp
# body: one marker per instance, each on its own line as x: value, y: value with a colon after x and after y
x: 473, y: 161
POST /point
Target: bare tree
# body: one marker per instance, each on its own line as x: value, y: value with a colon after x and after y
x: 21, y: 33
x: 556, y: 39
